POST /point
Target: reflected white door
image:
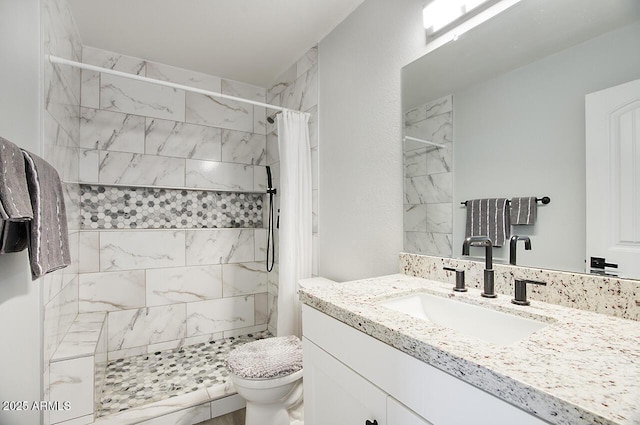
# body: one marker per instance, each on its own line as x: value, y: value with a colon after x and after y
x: 613, y: 177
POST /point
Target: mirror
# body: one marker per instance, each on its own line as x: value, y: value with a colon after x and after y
x: 505, y: 102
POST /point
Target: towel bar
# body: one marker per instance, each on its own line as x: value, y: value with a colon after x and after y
x: 545, y: 200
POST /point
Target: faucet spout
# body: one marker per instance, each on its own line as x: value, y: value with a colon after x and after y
x: 488, y: 268
x: 512, y: 247
x: 480, y: 241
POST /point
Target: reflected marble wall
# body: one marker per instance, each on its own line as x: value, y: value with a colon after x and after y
x: 428, y: 179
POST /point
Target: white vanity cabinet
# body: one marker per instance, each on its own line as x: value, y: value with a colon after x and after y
x: 351, y: 378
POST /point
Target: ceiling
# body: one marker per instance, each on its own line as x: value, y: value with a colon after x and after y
x: 252, y: 41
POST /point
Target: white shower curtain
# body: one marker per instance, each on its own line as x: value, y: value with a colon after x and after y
x: 295, y: 217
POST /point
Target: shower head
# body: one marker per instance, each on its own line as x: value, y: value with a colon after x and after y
x: 272, y: 118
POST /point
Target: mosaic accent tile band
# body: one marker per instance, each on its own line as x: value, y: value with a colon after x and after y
x: 107, y: 207
x: 147, y: 378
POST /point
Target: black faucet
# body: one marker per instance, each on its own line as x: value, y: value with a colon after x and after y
x: 488, y: 268
x: 512, y: 246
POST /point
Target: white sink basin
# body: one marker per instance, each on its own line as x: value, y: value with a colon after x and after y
x: 483, y: 323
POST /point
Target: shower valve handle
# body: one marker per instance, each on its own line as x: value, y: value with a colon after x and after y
x: 368, y: 422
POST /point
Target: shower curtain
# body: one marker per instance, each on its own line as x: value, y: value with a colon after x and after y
x: 295, y: 217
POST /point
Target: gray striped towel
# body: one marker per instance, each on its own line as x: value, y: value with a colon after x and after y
x: 489, y: 217
x: 48, y: 235
x: 15, y: 204
x: 524, y: 210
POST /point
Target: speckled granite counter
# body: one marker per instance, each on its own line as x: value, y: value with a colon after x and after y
x: 584, y: 368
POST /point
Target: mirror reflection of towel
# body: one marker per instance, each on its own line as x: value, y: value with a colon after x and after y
x: 524, y: 210
x: 489, y: 217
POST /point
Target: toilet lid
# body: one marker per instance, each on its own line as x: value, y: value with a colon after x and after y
x: 267, y: 358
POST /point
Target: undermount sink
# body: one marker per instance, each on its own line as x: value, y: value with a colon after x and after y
x: 483, y: 323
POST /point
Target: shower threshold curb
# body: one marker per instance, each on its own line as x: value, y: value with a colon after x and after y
x: 190, y: 408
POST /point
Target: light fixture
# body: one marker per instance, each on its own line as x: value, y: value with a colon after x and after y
x: 446, y: 20
x: 440, y: 13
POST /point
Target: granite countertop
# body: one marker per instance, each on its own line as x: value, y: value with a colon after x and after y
x: 583, y: 368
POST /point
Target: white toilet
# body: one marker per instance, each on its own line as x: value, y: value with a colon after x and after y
x: 268, y: 374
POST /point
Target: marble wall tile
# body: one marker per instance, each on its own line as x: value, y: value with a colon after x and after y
x: 110, y: 291
x: 65, y: 160
x: 183, y: 76
x: 307, y: 61
x: 303, y: 94
x: 219, y: 175
x: 436, y: 129
x: 111, y: 131
x: 141, y: 98
x: 224, y: 314
x: 169, y: 345
x: 183, y: 284
x: 245, y: 91
x: 188, y: 416
x: 90, y: 93
x: 105, y: 59
x: 179, y: 139
x: 72, y: 381
x: 313, y: 126
x: 260, y: 119
x: 89, y: 256
x: 439, y: 218
x: 260, y: 179
x: 415, y: 162
x: 435, y: 188
x: 217, y: 112
x: 415, y: 218
x: 414, y: 115
x: 440, y: 160
x: 245, y: 331
x: 262, y: 308
x: 59, y: 100
x: 243, y: 148
x: 111, y: 60
x: 260, y: 236
x: 138, y: 169
x: 273, y: 154
x: 131, y: 250
x: 286, y: 79
x: 272, y: 322
x: 88, y: 167
x: 150, y: 325
x: 220, y: 246
x: 58, y: 316
x: 243, y: 278
x: 428, y: 243
x: 60, y: 37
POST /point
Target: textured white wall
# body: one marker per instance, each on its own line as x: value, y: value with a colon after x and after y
x: 20, y: 313
x: 360, y: 203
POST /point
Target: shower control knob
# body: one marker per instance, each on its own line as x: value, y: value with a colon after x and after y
x: 368, y: 422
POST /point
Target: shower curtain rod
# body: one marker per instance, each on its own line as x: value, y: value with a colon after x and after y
x: 423, y: 141
x: 63, y: 61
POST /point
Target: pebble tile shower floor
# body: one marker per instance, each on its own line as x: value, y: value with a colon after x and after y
x: 147, y: 378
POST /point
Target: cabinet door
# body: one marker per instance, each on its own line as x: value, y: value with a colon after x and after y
x: 336, y: 395
x: 399, y: 414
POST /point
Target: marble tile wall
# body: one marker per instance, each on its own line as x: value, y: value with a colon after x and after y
x: 295, y: 88
x: 61, y: 136
x: 605, y: 295
x: 428, y: 179
x: 199, y: 275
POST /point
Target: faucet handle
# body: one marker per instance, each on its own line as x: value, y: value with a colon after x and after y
x: 460, y: 286
x: 520, y: 297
